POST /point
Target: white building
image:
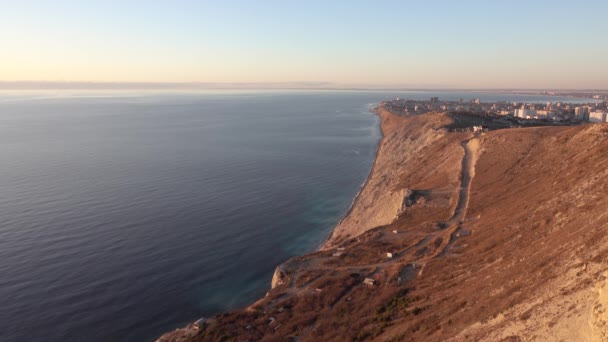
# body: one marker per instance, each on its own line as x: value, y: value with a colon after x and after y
x: 525, y: 113
x: 597, y: 116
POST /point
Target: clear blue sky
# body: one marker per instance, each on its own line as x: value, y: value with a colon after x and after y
x: 475, y: 44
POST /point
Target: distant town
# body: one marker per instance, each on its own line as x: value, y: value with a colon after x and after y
x: 558, y: 113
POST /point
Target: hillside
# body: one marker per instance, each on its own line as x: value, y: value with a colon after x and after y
x: 500, y: 236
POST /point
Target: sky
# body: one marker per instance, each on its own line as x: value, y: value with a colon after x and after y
x: 409, y: 44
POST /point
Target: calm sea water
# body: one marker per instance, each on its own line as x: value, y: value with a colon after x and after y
x: 127, y: 214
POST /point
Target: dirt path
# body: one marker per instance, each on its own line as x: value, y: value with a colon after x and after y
x: 471, y: 154
x: 471, y: 151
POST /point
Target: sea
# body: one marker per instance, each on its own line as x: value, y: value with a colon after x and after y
x: 128, y: 213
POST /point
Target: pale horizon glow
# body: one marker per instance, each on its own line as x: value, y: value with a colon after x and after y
x: 439, y: 44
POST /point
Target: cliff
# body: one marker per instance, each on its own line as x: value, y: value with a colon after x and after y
x: 403, y: 164
x: 454, y: 237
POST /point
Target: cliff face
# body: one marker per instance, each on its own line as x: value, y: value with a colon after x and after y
x: 416, y: 153
x: 499, y: 237
x: 278, y: 278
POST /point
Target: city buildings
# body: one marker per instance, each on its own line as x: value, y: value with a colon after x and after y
x: 549, y: 112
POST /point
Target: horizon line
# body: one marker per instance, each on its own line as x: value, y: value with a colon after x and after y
x: 120, y: 85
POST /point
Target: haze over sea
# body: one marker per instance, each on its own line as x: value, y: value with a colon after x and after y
x: 125, y: 214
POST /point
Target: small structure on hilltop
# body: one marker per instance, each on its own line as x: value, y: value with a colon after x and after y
x: 369, y: 282
x: 389, y: 255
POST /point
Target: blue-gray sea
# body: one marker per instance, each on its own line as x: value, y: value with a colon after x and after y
x: 124, y: 214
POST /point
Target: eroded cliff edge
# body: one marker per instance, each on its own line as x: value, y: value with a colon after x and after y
x: 407, y: 142
x: 454, y: 237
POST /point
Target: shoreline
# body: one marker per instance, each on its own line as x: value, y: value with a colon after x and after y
x: 327, y: 241
x: 379, y: 201
x: 377, y: 111
x: 326, y: 244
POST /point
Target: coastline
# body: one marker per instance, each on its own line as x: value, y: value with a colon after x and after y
x: 443, y: 239
x: 382, y: 115
x: 379, y: 202
x: 375, y: 111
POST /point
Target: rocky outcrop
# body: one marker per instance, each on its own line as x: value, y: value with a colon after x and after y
x: 278, y: 278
